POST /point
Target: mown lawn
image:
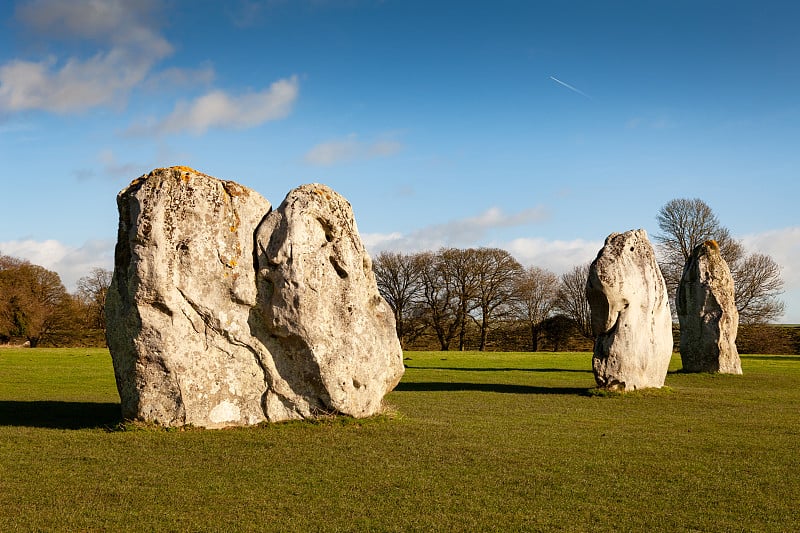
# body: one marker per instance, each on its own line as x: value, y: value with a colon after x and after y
x: 471, y: 441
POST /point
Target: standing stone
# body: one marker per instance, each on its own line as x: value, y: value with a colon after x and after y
x: 186, y: 315
x: 320, y: 299
x: 630, y: 314
x: 180, y: 299
x: 707, y: 313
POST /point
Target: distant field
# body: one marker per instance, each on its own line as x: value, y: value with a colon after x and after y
x: 471, y: 441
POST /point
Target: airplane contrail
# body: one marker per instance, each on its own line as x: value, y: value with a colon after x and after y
x: 570, y: 87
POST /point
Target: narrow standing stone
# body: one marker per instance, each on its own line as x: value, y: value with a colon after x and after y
x: 707, y: 313
x: 630, y: 314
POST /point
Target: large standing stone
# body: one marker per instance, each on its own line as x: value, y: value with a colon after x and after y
x: 707, y: 313
x: 180, y: 299
x: 320, y: 299
x: 630, y: 314
x: 185, y: 323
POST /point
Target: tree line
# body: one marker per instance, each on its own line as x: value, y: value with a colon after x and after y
x: 453, y: 290
x: 35, y: 305
x: 453, y: 295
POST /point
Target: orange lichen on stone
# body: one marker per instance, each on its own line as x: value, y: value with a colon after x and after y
x: 322, y: 193
x: 182, y: 168
x: 712, y: 244
x: 229, y: 263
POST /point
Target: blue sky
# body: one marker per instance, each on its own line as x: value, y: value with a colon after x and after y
x: 441, y: 122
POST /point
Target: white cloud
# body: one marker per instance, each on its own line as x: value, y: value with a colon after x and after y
x: 71, y: 263
x: 128, y: 49
x: 350, y: 149
x: 464, y: 232
x: 219, y: 109
x: 557, y: 256
x: 783, y: 245
x: 381, y: 241
x: 105, y: 20
x: 76, y: 86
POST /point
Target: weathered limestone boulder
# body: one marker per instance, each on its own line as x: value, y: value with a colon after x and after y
x: 180, y: 299
x: 320, y: 300
x: 630, y: 314
x: 707, y: 313
x: 186, y: 315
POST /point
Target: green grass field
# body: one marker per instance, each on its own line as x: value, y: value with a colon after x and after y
x: 471, y: 441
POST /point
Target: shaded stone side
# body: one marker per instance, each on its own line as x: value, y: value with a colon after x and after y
x: 709, y: 320
x: 630, y: 314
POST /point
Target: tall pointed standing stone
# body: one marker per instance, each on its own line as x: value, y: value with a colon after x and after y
x: 630, y: 314
x: 707, y: 313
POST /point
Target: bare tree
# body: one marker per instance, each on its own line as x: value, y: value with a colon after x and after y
x: 496, y: 272
x: 757, y: 286
x: 684, y: 224
x: 533, y: 299
x: 399, y: 278
x: 92, y: 290
x: 441, y: 307
x: 459, y: 272
x: 571, y: 298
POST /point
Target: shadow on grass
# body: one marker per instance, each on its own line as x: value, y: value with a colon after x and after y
x: 498, y: 369
x: 59, y: 415
x: 441, y: 386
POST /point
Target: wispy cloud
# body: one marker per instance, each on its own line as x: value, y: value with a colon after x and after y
x: 16, y: 127
x: 127, y: 46
x: 470, y: 231
x: 108, y: 166
x: 349, y: 149
x: 570, y: 87
x: 246, y: 13
x: 180, y: 78
x: 113, y: 167
x: 558, y: 256
x: 102, y: 20
x: 218, y: 109
x: 70, y: 262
